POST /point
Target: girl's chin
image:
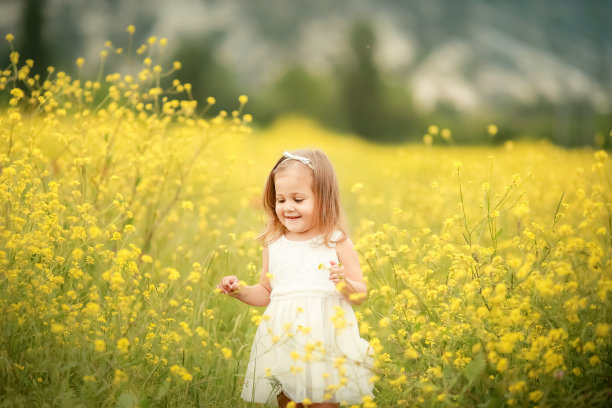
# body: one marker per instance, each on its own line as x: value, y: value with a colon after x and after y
x: 292, y: 223
x: 294, y: 227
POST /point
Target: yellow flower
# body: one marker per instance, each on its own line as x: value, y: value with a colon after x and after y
x: 601, y: 155
x: 120, y: 377
x: 594, y: 360
x: 518, y: 387
x: 173, y: 274
x: 411, y: 353
x: 338, y: 318
x: 123, y: 345
x: 402, y: 379
x: 435, y: 372
x: 130, y: 29
x: 368, y: 402
x: 446, y: 134
x: 535, y: 396
x: 588, y: 347
x: 99, y: 345
x: 243, y: 99
x: 602, y: 329
x: 428, y: 388
x: 502, y: 365
x: 92, y: 308
x: 57, y: 327
x: 227, y: 353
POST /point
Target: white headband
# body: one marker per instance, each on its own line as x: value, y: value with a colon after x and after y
x: 301, y: 159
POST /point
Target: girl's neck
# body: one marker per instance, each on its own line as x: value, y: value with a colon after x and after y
x: 302, y: 236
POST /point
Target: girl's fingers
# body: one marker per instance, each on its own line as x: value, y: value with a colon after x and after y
x: 228, y: 284
x: 233, y: 287
x: 336, y: 277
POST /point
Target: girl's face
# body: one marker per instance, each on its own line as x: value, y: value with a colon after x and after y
x: 295, y: 202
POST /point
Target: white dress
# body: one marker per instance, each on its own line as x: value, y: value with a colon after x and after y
x: 307, y: 344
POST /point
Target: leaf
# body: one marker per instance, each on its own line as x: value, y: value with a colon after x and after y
x: 498, y: 233
x: 145, y: 403
x: 474, y: 369
x: 127, y: 400
x: 492, y: 402
x: 163, y: 389
x: 557, y: 210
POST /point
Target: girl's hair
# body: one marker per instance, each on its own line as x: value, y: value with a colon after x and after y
x: 328, y: 210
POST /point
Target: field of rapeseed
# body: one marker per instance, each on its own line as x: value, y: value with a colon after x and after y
x: 123, y: 203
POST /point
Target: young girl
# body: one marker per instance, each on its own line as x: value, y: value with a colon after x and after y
x: 307, y: 348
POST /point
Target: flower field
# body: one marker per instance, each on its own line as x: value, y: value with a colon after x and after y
x: 122, y: 203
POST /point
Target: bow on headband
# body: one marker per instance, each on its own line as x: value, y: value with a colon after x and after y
x: 301, y: 159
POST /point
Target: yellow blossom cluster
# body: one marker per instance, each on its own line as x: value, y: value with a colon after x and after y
x: 489, y: 269
x: 108, y: 221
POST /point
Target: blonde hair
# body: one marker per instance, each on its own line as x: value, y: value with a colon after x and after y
x: 328, y: 210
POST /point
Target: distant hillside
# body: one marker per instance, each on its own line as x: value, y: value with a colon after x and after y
x: 468, y: 54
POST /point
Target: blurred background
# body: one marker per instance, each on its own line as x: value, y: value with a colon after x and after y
x: 384, y: 70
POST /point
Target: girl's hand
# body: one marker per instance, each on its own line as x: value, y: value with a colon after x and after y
x: 229, y: 285
x: 336, y: 273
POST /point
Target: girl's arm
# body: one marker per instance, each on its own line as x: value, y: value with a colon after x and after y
x: 349, y: 273
x: 255, y: 295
